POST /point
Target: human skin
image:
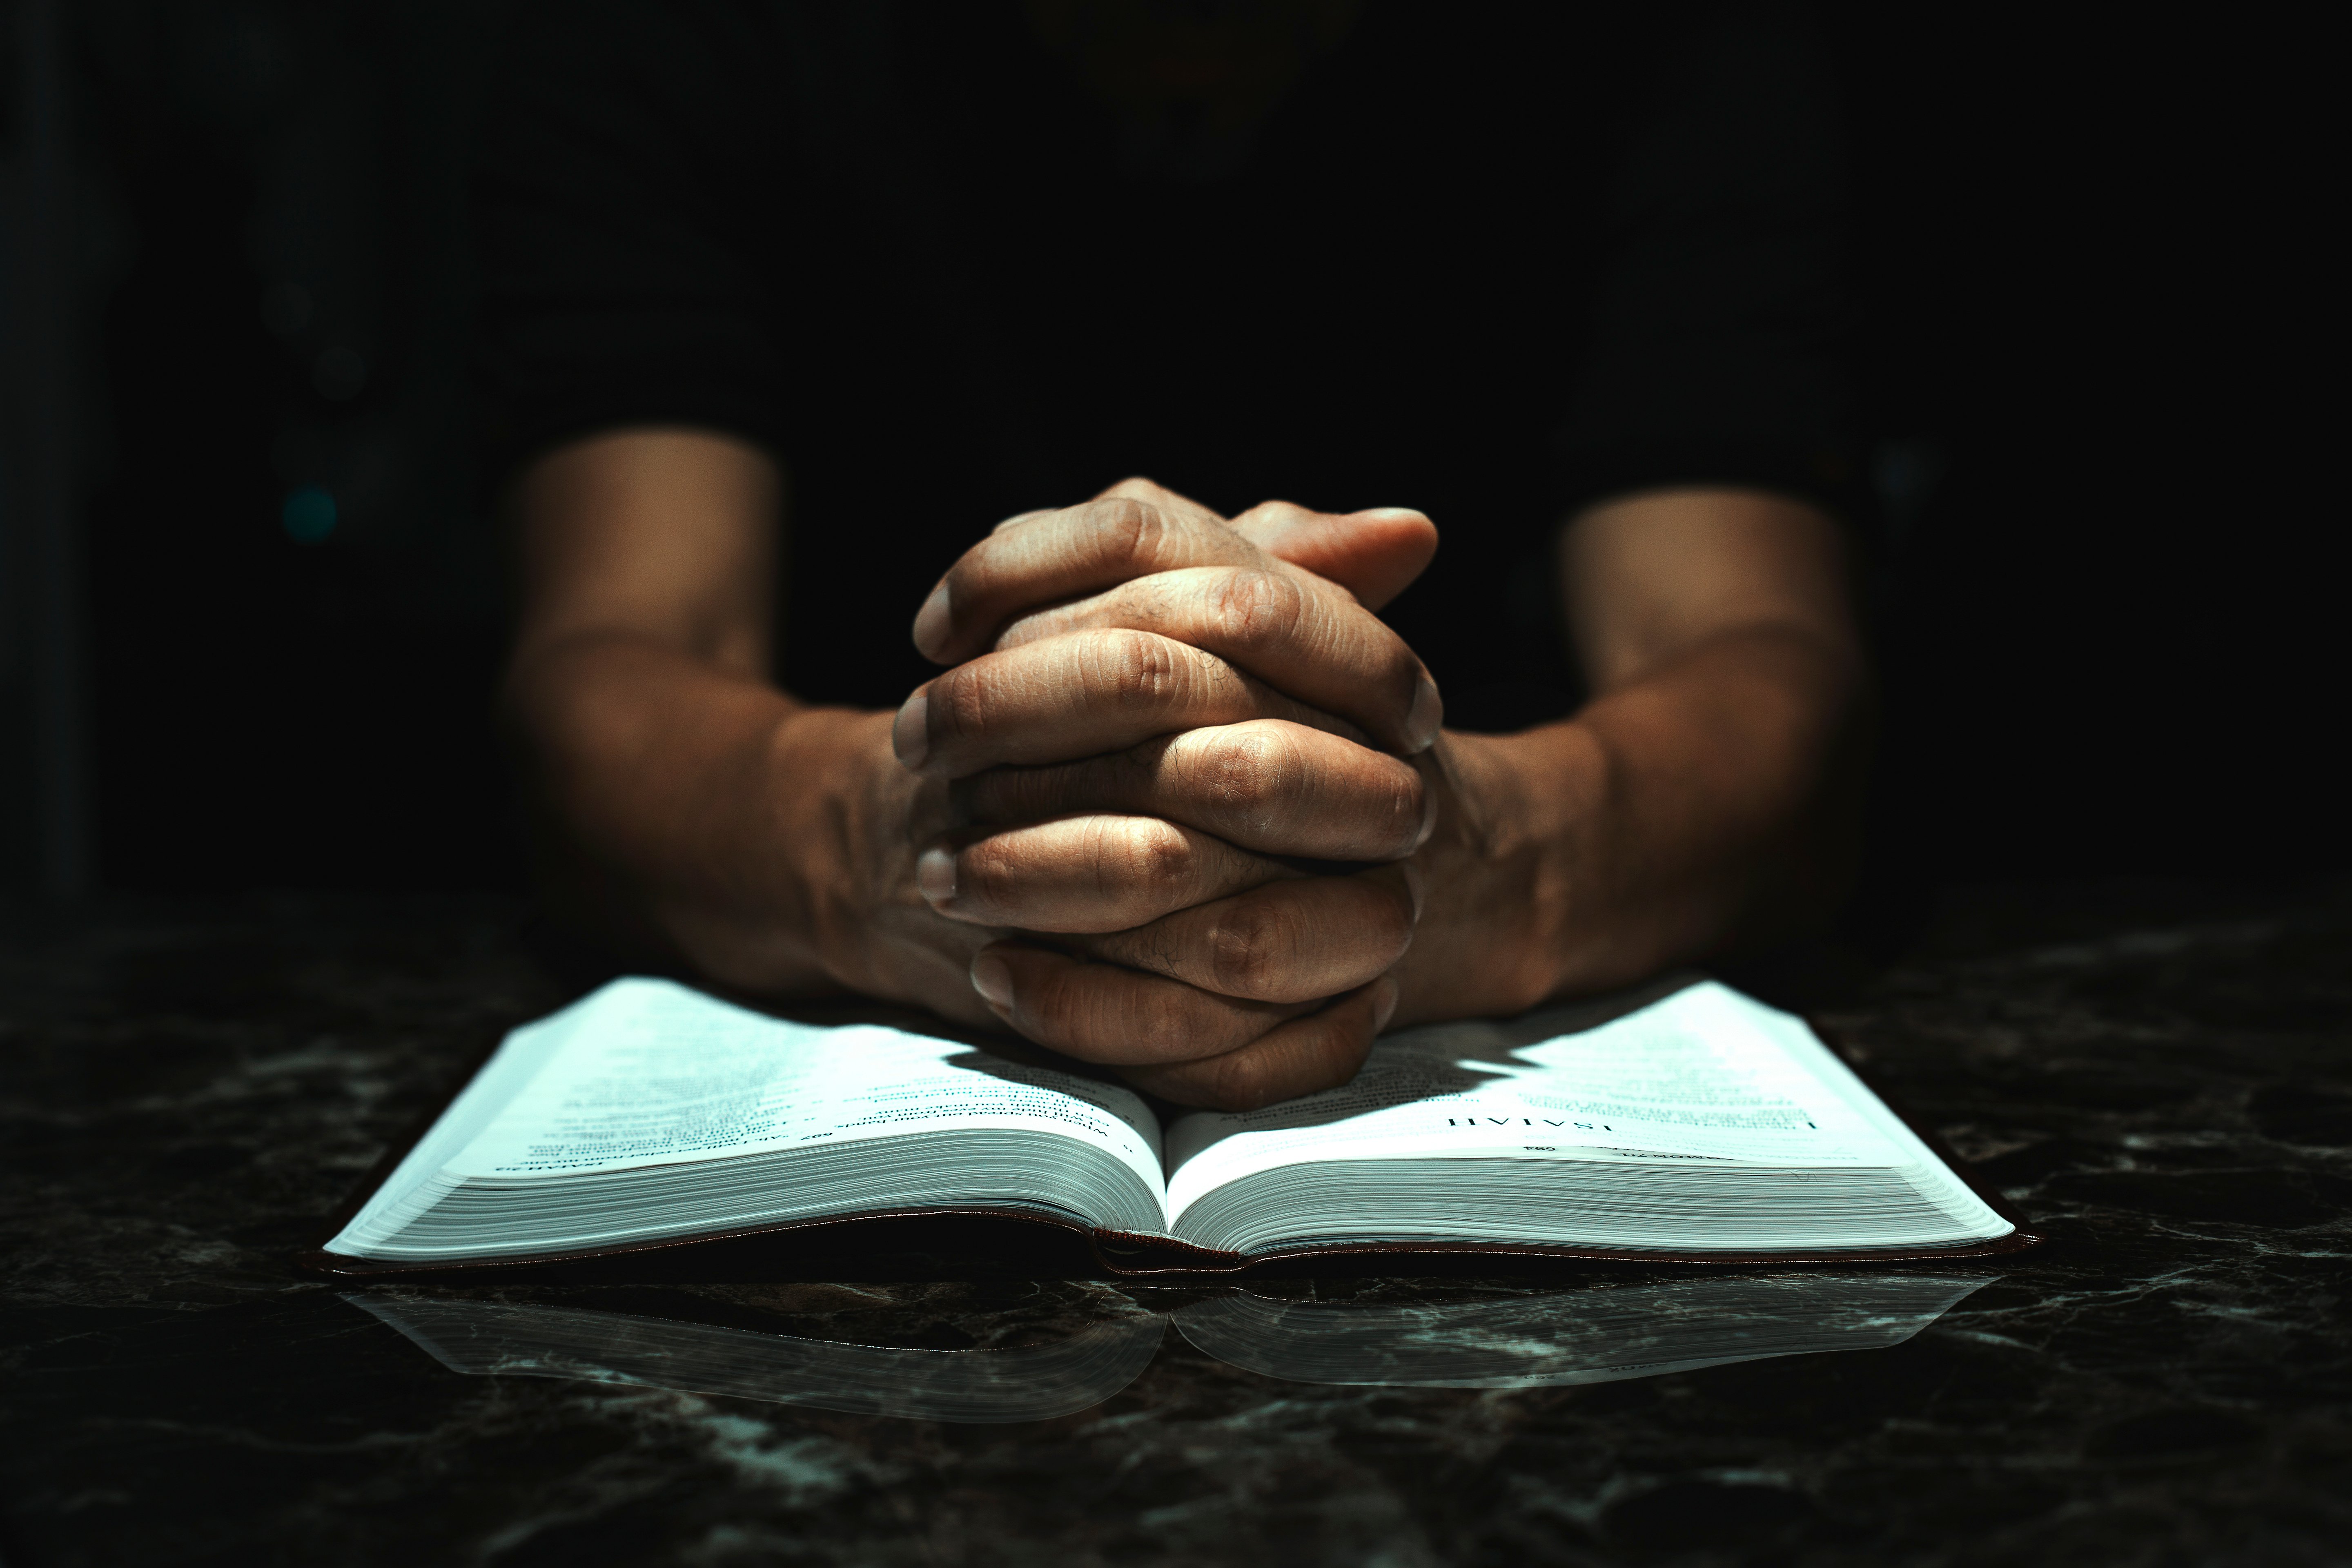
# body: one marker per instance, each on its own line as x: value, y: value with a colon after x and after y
x: 1110, y: 823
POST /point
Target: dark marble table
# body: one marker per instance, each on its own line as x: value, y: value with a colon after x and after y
x: 2161, y: 1077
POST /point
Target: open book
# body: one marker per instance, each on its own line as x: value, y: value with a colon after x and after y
x: 1700, y: 1125
x: 1520, y: 1342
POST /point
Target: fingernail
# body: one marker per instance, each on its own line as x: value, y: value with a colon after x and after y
x: 992, y: 978
x: 1428, y: 715
x: 1428, y: 815
x: 932, y: 623
x: 1415, y: 884
x: 1384, y: 1003
x: 911, y: 736
x: 935, y: 874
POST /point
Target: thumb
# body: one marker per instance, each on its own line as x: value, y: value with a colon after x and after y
x: 1374, y: 554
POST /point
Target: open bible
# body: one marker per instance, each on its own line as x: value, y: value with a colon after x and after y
x: 1694, y: 1124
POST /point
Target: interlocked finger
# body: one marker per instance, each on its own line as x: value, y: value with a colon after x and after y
x: 1375, y: 555
x: 1266, y: 784
x: 1042, y: 558
x: 1301, y: 1056
x: 1080, y: 695
x: 1086, y: 874
x: 1284, y: 941
x: 1118, y: 1016
x: 1303, y: 637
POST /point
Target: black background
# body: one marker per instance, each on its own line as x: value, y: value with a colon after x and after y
x: 2099, y: 573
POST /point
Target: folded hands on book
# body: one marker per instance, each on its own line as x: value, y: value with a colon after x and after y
x: 1187, y: 771
x: 1201, y: 800
x: 1180, y: 802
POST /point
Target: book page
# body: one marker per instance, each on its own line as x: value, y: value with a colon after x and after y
x: 1704, y: 1074
x: 517, y: 1059
x: 654, y: 1073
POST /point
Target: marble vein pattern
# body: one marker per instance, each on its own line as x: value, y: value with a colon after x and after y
x: 2159, y: 1075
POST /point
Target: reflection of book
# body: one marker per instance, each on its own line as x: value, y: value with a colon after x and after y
x: 1693, y: 1122
x: 1591, y: 1336
x: 1584, y: 1336
x: 1029, y: 1384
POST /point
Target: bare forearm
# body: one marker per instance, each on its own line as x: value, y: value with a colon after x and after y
x: 793, y: 850
x: 680, y: 805
x: 1716, y: 625
x: 1727, y: 804
x: 1707, y: 806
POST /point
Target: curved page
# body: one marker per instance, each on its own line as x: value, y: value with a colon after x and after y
x: 1703, y: 1120
x: 649, y: 1111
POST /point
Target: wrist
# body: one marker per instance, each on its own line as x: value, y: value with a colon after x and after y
x: 1671, y: 820
x: 1501, y: 869
x: 832, y: 803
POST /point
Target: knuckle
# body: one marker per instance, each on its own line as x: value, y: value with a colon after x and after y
x: 1248, y: 947
x: 1241, y: 1080
x: 1152, y: 858
x: 1252, y: 770
x: 1141, y: 671
x: 987, y: 870
x: 1126, y: 531
x: 1256, y: 608
x: 958, y: 704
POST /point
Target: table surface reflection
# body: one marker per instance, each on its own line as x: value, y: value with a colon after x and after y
x: 2160, y: 1076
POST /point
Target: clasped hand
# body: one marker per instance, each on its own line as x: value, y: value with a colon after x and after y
x: 1184, y: 769
x: 1180, y: 802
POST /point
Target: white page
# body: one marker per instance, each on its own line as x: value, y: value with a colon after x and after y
x: 518, y: 1058
x: 647, y: 1072
x: 1705, y: 1073
x: 662, y: 1073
